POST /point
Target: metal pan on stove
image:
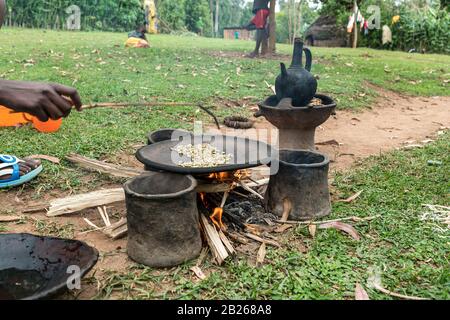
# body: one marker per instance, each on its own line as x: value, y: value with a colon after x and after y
x: 246, y: 153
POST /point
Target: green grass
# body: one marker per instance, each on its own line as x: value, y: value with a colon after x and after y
x: 412, y: 258
x: 176, y: 69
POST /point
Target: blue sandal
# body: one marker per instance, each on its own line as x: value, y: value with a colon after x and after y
x: 9, y: 165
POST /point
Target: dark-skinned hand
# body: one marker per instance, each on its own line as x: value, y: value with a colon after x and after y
x: 42, y: 100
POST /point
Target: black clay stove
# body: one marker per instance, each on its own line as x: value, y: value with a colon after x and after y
x: 290, y: 109
x: 299, y: 190
x: 300, y: 187
x: 296, y: 125
x: 163, y: 220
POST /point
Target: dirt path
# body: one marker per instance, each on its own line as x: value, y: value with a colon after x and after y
x: 394, y: 121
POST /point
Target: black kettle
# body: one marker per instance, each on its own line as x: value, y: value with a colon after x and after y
x: 297, y: 82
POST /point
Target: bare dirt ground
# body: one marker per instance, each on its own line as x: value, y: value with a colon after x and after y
x: 392, y: 122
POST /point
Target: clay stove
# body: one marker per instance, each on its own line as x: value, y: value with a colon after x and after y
x: 296, y: 125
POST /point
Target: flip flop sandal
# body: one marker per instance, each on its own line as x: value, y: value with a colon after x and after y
x: 9, y: 165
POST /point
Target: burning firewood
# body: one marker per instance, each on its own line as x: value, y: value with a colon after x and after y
x: 215, y: 243
x: 216, y: 217
x: 247, y: 188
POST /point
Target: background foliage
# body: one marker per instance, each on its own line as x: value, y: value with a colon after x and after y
x: 107, y: 15
x: 423, y: 26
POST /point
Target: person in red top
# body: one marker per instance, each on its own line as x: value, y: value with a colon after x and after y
x: 259, y: 23
x: 42, y: 100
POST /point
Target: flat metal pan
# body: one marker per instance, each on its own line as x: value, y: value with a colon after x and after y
x: 33, y: 267
x: 246, y: 153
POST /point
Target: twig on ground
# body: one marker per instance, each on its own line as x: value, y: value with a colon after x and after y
x: 211, y: 114
x: 352, y: 198
x: 103, y: 167
x: 10, y: 218
x: 261, y: 254
x: 259, y: 239
x: 287, y: 208
x: 394, y: 294
x: 353, y: 218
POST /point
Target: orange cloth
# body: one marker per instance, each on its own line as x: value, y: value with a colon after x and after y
x: 136, y: 43
x: 10, y: 119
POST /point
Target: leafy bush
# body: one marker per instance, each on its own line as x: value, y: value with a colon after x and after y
x: 108, y: 15
x: 426, y: 31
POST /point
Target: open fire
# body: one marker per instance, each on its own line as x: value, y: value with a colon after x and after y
x: 232, y: 179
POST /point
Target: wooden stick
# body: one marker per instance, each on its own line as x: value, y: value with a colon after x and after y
x: 104, y: 216
x: 214, y: 241
x: 104, y: 167
x: 10, y: 218
x: 287, y: 209
x: 107, y: 216
x: 117, y: 230
x: 213, y: 188
x: 398, y: 295
x: 36, y: 207
x: 240, y: 194
x: 259, y: 239
x: 353, y: 218
x: 93, y: 225
x: 261, y: 254
x: 243, y: 185
x: 258, y: 183
x: 224, y: 199
x: 226, y: 242
x: 131, y: 104
x: 116, y: 105
x: 80, y: 202
x: 202, y: 257
x: 236, y: 237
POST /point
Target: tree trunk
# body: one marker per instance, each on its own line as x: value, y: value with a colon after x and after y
x: 211, y: 9
x: 289, y: 10
x: 355, y: 26
x: 216, y: 27
x: 298, y: 20
x: 273, y: 28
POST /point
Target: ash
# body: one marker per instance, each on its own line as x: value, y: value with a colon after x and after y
x: 249, y: 211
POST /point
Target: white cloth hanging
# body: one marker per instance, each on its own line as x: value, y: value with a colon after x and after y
x: 387, y: 35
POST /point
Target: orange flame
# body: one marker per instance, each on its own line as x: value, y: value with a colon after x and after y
x: 216, y: 218
x: 223, y: 177
x: 229, y: 176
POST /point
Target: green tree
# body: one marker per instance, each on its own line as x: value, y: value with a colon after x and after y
x: 113, y: 15
x: 232, y: 13
x: 171, y: 15
x: 197, y: 16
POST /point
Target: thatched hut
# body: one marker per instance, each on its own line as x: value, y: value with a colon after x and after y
x: 325, y: 32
